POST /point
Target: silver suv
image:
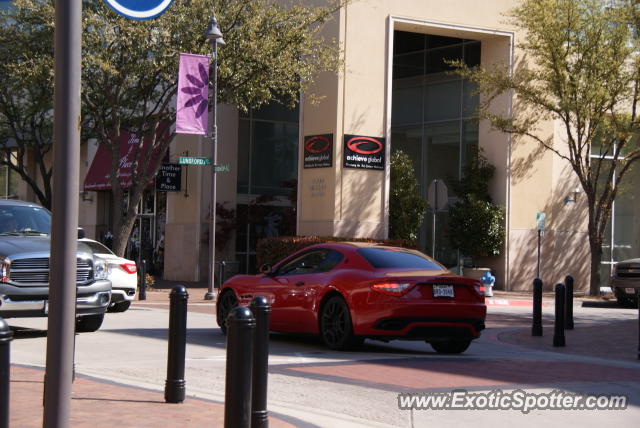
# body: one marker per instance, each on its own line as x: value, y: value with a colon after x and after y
x: 24, y: 268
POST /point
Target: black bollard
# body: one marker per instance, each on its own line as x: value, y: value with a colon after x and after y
x: 568, y: 312
x: 174, y: 388
x: 558, y: 327
x: 143, y: 280
x: 237, y: 394
x: 6, y: 335
x: 638, y: 297
x: 221, y: 273
x: 259, y: 414
x: 536, y: 328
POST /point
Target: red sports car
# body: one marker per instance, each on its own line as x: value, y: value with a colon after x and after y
x: 347, y: 292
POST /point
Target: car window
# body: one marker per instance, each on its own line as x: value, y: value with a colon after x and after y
x: 313, y: 262
x: 397, y: 258
x: 18, y: 218
x: 97, y: 247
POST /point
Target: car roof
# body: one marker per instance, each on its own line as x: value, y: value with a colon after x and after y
x: 16, y: 202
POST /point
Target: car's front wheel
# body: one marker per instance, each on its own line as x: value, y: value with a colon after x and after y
x: 89, y: 323
x: 226, y: 302
x: 450, y: 346
x: 335, y: 325
x: 119, y: 307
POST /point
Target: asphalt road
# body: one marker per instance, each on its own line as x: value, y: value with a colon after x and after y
x: 326, y: 388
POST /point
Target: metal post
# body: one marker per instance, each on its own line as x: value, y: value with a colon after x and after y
x: 6, y: 335
x: 259, y: 414
x: 214, y: 36
x: 222, y: 264
x: 558, y: 327
x: 143, y: 280
x: 64, y: 230
x: 538, y: 267
x: 237, y: 397
x: 568, y: 312
x: 536, y: 328
x: 638, y: 298
x: 174, y: 387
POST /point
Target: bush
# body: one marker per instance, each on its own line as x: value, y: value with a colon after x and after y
x: 273, y: 249
x: 406, y: 206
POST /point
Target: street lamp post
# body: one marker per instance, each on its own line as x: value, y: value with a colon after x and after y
x: 214, y: 35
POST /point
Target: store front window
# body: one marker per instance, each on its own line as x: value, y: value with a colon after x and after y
x: 434, y: 119
x: 267, y: 174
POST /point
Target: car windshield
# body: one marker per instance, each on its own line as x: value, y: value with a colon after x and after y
x: 24, y: 220
x: 397, y: 258
x: 97, y: 247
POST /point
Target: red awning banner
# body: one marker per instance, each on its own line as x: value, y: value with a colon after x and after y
x: 99, y: 174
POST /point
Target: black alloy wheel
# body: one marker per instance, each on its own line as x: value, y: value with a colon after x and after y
x: 335, y: 325
x: 227, y: 302
x: 450, y: 346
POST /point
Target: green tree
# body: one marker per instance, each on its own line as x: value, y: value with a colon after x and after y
x: 406, y: 206
x: 580, y: 68
x: 129, y: 69
x: 476, y: 224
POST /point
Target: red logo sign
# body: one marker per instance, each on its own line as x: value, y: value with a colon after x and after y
x: 355, y: 143
x: 317, y: 144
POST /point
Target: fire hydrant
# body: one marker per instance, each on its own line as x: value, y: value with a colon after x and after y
x: 488, y: 280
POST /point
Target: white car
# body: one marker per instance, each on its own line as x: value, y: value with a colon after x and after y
x: 121, y: 272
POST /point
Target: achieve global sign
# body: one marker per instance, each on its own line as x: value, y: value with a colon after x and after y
x: 364, y: 152
x: 139, y: 9
x: 318, y: 151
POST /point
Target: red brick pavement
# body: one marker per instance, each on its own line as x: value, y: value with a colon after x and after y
x: 96, y: 404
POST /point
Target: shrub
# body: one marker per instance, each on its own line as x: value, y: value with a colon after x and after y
x: 406, y: 205
x: 273, y: 249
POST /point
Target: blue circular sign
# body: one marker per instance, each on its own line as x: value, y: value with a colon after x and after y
x: 139, y: 9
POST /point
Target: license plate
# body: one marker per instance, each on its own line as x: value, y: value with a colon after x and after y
x: 630, y: 290
x: 442, y: 290
x: 46, y: 307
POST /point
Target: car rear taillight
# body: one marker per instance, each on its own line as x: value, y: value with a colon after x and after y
x: 129, y: 267
x: 392, y: 288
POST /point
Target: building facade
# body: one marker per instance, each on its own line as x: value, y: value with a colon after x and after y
x: 322, y: 169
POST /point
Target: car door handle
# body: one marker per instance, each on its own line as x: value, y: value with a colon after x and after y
x: 300, y: 283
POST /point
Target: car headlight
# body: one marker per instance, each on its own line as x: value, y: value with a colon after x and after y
x: 4, y: 270
x: 100, y: 269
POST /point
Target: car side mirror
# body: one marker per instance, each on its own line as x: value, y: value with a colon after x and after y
x: 265, y: 269
x: 81, y: 233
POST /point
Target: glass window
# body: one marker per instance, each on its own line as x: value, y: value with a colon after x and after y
x: 397, y: 258
x: 24, y: 219
x: 316, y: 261
x: 443, y: 151
x: 442, y: 101
x: 437, y: 59
x: 409, y: 140
x: 406, y: 106
x: 274, y: 157
x: 408, y: 65
x: 472, y: 54
x: 404, y: 42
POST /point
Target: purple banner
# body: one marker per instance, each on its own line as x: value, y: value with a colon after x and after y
x: 192, y: 110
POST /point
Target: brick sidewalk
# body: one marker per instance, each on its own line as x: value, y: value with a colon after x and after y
x: 97, y: 404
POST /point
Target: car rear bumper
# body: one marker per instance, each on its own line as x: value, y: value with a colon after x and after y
x: 429, y: 322
x: 15, y: 302
x: 122, y: 294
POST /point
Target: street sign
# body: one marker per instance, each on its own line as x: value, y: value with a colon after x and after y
x: 437, y: 195
x: 221, y: 168
x: 540, y: 218
x: 184, y: 160
x: 139, y: 10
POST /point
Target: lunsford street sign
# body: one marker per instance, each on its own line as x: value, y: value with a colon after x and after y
x: 139, y: 9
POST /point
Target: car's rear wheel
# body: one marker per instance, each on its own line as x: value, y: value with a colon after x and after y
x: 226, y: 302
x: 89, y: 323
x: 335, y: 325
x: 450, y: 346
x: 119, y: 306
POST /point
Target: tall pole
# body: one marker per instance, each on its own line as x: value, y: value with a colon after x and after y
x: 214, y: 36
x: 66, y: 161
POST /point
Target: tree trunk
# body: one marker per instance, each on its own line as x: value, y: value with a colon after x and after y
x: 595, y: 245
